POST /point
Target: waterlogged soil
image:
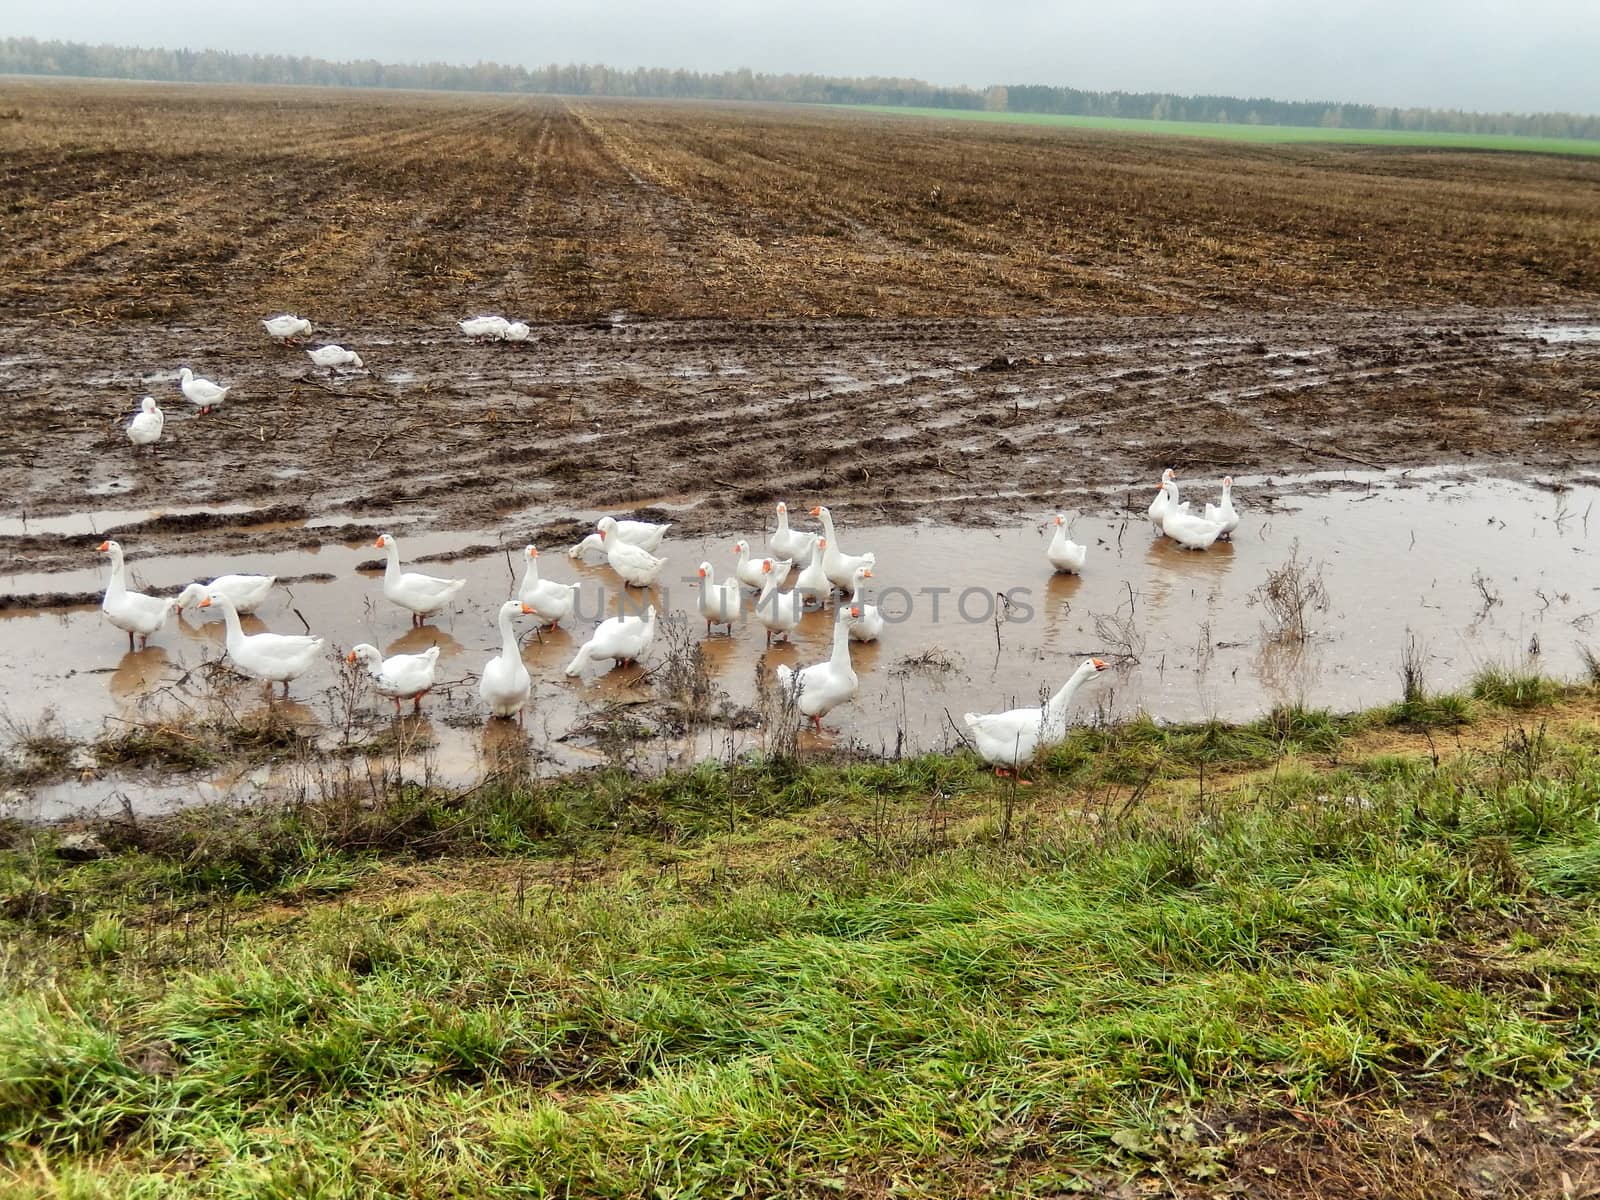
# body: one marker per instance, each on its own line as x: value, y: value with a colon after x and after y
x: 1484, y: 572
x: 973, y: 422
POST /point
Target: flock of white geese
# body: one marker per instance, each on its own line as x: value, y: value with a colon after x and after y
x: 1006, y: 740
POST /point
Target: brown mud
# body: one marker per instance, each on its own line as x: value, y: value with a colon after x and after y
x: 707, y: 423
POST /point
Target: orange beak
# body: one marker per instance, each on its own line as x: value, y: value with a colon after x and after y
x: 351, y: 657
x: 378, y: 543
x: 526, y: 609
x: 867, y: 574
x: 533, y: 552
x: 206, y: 603
x: 1098, y: 665
x: 602, y: 534
x: 817, y: 511
x: 855, y: 611
x: 701, y: 572
x: 766, y: 564
x: 103, y: 547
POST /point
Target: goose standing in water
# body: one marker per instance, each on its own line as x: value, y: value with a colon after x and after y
x: 1064, y: 553
x: 422, y: 595
x: 271, y: 657
x: 400, y: 676
x: 820, y: 688
x: 130, y: 611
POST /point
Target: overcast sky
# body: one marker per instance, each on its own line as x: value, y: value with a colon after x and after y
x: 1479, y: 54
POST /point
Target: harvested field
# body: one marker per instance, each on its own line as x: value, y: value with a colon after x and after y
x: 129, y: 202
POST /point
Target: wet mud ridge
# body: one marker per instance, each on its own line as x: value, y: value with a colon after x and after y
x: 967, y: 421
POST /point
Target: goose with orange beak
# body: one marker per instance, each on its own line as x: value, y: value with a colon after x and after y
x: 820, y: 688
x: 839, y: 567
x: 271, y: 657
x: 869, y: 624
x: 795, y: 545
x: 504, y: 685
x: 752, y: 572
x: 422, y: 595
x: 1158, y: 507
x: 548, y: 600
x: 1008, y: 741
x: 130, y: 611
x: 779, y: 612
x: 719, y: 602
x: 400, y: 676
x: 1065, y: 554
x: 1223, y: 512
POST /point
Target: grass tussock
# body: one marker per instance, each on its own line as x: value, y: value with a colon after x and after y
x: 1513, y: 688
x: 1111, y: 997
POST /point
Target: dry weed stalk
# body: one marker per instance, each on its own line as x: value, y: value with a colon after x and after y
x: 1290, y: 595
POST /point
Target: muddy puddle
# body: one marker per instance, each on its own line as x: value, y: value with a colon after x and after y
x: 1482, y: 571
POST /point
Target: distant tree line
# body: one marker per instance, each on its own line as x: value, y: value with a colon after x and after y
x: 30, y: 56
x: 1163, y: 106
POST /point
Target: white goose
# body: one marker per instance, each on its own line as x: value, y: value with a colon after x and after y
x: 1223, y: 512
x: 335, y: 356
x: 400, y: 676
x: 131, y: 612
x: 637, y: 566
x: 548, y: 600
x: 795, y: 545
x: 646, y: 535
x: 245, y: 592
x: 201, y: 393
x: 617, y: 640
x: 779, y: 611
x: 813, y: 581
x: 839, y: 566
x: 287, y: 327
x: 869, y: 624
x: 145, y: 428
x: 1007, y: 741
x: 822, y: 687
x: 484, y: 327
x: 593, y: 544
x: 1184, y: 527
x: 504, y: 684
x: 752, y: 572
x: 422, y: 595
x: 272, y: 657
x: 719, y: 602
x: 1158, y: 506
x: 1064, y: 553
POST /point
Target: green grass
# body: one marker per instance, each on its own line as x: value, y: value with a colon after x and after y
x: 859, y: 1004
x: 1265, y: 134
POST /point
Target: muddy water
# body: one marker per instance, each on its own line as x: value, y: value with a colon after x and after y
x: 1395, y: 553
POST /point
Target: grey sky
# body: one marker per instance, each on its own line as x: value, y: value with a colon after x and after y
x: 1479, y: 54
